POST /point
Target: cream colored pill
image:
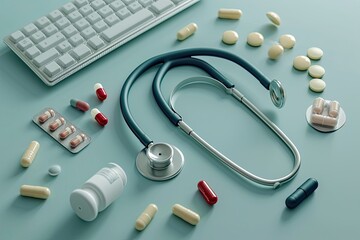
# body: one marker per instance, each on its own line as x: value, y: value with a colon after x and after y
x: 228, y: 13
x: 275, y: 51
x: 145, y: 218
x: 274, y: 18
x: 30, y: 154
x: 230, y: 37
x: 334, y: 108
x: 186, y: 31
x: 325, y: 121
x: 186, y: 214
x: 301, y: 63
x: 318, y: 105
x: 287, y: 41
x: 255, y: 39
x: 315, y: 53
x: 317, y: 85
x: 35, y: 191
x: 316, y: 71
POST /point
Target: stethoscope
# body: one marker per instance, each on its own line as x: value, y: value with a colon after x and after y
x: 162, y: 161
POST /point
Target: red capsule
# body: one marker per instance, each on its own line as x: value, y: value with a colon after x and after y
x: 81, y: 105
x: 56, y: 124
x: 100, y: 92
x: 68, y: 131
x: 46, y: 115
x: 77, y: 140
x: 99, y: 117
x: 208, y: 194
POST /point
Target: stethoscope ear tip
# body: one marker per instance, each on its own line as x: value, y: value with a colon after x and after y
x: 277, y: 93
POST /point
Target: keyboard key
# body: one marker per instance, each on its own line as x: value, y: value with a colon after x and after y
x: 25, y: 44
x: 42, y: 22
x: 88, y: 32
x: 100, y: 26
x: 97, y: 4
x: 80, y: 3
x: 105, y: 11
x: 51, y: 42
x: 32, y: 52
x: 80, y: 52
x: 93, y: 17
x: 96, y: 42
x: 46, y: 57
x: 50, y: 30
x: 64, y: 47
x: 112, y: 19
x: 66, y: 60
x: 29, y: 29
x: 62, y: 23
x: 55, y: 15
x: 161, y: 6
x: 134, y: 7
x: 86, y: 10
x: 68, y: 8
x: 127, y: 2
x: 116, y: 5
x: 52, y: 69
x: 74, y: 16
x: 37, y: 37
x: 123, y: 13
x: 17, y: 36
x: 81, y: 24
x: 145, y: 3
x: 69, y: 31
x: 126, y: 25
x: 108, y: 1
x: 76, y: 40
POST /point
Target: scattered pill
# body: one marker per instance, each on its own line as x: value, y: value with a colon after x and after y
x: 255, y: 39
x: 334, y: 108
x: 35, y: 191
x: 186, y: 214
x: 56, y: 124
x: 287, y: 41
x: 318, y: 105
x: 186, y: 31
x: 317, y: 85
x: 325, y: 121
x: 77, y: 140
x: 208, y: 194
x: 99, y: 117
x: 30, y: 154
x: 46, y: 115
x: 305, y: 190
x: 315, y: 53
x: 81, y: 105
x: 301, y: 63
x: 145, y: 218
x: 100, y: 92
x: 67, y: 132
x: 274, y: 18
x: 228, y: 13
x: 54, y: 170
x: 230, y: 37
x: 275, y: 51
x: 316, y: 71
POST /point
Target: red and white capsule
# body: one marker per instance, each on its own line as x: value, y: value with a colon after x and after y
x: 46, y: 115
x: 99, y: 117
x: 56, y: 124
x: 81, y: 105
x: 208, y: 194
x: 77, y: 140
x: 67, y: 132
x: 100, y: 92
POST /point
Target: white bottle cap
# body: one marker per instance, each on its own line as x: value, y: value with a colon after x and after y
x: 84, y: 204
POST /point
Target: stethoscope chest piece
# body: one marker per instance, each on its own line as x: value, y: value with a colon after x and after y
x: 160, y: 161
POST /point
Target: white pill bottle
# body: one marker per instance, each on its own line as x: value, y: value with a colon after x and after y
x: 97, y: 193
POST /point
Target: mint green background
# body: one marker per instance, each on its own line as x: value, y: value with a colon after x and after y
x: 244, y: 210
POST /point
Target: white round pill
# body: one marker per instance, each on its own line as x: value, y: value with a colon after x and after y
x: 287, y: 41
x: 301, y: 63
x: 255, y: 39
x: 275, y: 51
x: 315, y: 53
x: 317, y: 85
x: 316, y: 71
x: 54, y: 170
x: 274, y: 18
x: 230, y: 37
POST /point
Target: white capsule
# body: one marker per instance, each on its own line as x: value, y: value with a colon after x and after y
x: 30, y: 154
x: 230, y: 37
x: 275, y: 51
x: 318, y: 105
x: 186, y: 214
x: 186, y: 31
x: 334, y: 108
x: 324, y: 121
x: 301, y: 63
x: 274, y: 18
x: 35, y: 191
x: 255, y: 39
x: 316, y: 71
x: 287, y: 41
x: 227, y: 13
x: 145, y: 218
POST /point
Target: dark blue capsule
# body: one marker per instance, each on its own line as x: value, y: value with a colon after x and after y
x: 305, y: 190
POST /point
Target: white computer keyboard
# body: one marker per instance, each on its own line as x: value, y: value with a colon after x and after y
x: 80, y: 32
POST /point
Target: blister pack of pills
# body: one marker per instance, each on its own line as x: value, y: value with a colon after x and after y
x: 62, y: 130
x: 325, y: 115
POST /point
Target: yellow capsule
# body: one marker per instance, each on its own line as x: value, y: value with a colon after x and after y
x: 30, y: 154
x: 226, y: 13
x: 35, y: 191
x: 145, y: 218
x: 186, y: 31
x: 186, y: 214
